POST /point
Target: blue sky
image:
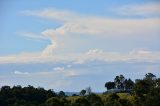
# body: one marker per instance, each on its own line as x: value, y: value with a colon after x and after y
x: 59, y: 44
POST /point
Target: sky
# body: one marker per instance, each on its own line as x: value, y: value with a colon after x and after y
x: 72, y: 44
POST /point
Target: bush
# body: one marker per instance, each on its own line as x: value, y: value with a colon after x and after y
x: 94, y: 100
x: 53, y: 102
x: 81, y: 102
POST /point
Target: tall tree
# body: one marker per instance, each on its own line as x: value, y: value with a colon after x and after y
x: 110, y: 85
x: 119, y: 80
x: 142, y: 87
x: 158, y: 83
x: 61, y: 94
x: 128, y: 84
x: 150, y: 76
x: 88, y: 90
x: 83, y: 92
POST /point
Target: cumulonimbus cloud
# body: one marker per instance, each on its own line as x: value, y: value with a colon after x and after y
x: 73, y: 24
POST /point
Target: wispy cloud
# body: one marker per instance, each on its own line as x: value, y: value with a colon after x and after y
x: 53, y: 14
x: 31, y: 35
x: 74, y: 24
x: 58, y: 76
x: 95, y: 25
x: 143, y: 10
x: 140, y: 55
x: 56, y: 72
x: 20, y: 73
x: 58, y: 68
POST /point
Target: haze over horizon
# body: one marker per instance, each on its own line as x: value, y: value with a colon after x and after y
x: 70, y: 45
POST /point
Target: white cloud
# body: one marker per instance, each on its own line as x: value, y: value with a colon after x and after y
x: 53, y: 14
x: 49, y: 49
x: 31, y: 35
x: 87, y: 25
x: 21, y: 58
x: 72, y: 74
x: 144, y: 10
x: 140, y: 51
x: 93, y: 25
x: 20, y: 73
x: 94, y: 51
x: 74, y: 24
x: 56, y: 72
x: 137, y: 55
x: 56, y: 78
x: 59, y: 68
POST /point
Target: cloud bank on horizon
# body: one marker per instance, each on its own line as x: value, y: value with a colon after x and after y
x: 82, y: 45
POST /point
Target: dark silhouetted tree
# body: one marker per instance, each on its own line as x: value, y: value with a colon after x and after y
x: 128, y: 84
x: 61, y: 94
x: 110, y: 85
x: 119, y: 81
x: 83, y: 92
x: 141, y: 87
x: 150, y: 76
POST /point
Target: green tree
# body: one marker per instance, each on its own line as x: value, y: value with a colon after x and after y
x: 150, y: 76
x: 110, y: 85
x: 119, y: 80
x: 53, y: 102
x: 88, y: 90
x: 112, y: 100
x: 81, y: 102
x: 141, y: 87
x: 125, y: 102
x: 61, y: 94
x: 28, y: 96
x: 83, y: 92
x: 151, y: 79
x: 113, y: 96
x: 94, y: 100
x: 158, y: 83
x: 65, y: 102
x: 128, y: 84
x: 152, y: 98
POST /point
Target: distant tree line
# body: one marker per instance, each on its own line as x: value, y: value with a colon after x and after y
x: 142, y: 92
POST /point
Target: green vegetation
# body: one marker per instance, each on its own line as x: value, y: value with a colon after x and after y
x: 120, y: 92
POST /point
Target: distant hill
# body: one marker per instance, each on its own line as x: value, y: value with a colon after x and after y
x: 77, y: 93
x: 71, y: 93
